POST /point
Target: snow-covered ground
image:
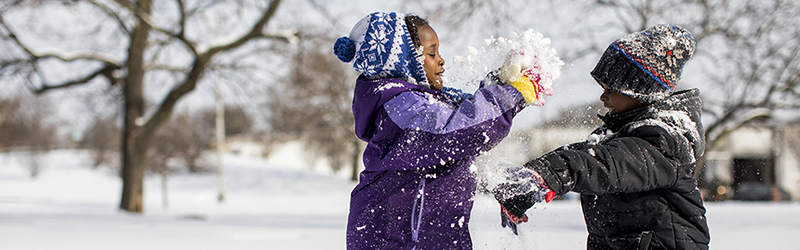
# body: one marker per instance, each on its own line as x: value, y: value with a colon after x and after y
x: 270, y: 206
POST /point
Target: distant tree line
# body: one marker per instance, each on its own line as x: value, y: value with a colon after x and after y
x: 25, y: 128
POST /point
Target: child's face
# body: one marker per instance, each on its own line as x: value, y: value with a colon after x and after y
x: 434, y: 63
x: 618, y: 103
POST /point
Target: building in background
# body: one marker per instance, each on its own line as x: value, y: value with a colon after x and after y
x: 756, y: 163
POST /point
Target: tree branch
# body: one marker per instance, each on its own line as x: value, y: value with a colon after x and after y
x: 33, y: 57
x: 113, y: 14
x: 729, y: 125
x: 787, y: 106
x: 107, y: 71
x: 148, y: 20
x: 255, y: 32
x: 182, y: 20
x: 36, y: 56
x: 198, y: 67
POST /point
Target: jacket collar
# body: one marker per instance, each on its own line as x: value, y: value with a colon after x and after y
x: 616, y: 121
x: 686, y: 100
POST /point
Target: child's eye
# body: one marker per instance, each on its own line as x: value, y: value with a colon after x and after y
x: 433, y: 55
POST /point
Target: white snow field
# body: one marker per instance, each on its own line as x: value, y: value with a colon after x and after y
x: 268, y: 206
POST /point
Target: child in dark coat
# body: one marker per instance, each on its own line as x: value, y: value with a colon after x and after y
x: 416, y: 191
x: 635, y: 173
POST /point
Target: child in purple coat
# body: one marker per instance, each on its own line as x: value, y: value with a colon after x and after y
x: 417, y: 189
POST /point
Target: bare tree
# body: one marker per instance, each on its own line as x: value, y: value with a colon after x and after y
x: 460, y: 23
x: 130, y: 44
x: 102, y: 140
x: 473, y: 15
x: 24, y: 125
x: 315, y: 105
x: 8, y: 123
x: 237, y: 121
x: 172, y: 144
x: 199, y: 139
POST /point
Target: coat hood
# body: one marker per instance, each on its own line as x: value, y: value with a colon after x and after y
x: 370, y: 95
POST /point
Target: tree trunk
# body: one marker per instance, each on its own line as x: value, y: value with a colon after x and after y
x: 133, y: 170
x: 134, y: 144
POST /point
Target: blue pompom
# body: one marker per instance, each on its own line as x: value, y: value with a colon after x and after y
x: 344, y: 49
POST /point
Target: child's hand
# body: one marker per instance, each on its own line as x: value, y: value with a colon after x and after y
x: 509, y: 220
x: 523, y: 188
x: 525, y: 78
x: 517, y: 204
x: 515, y: 213
x: 512, y: 68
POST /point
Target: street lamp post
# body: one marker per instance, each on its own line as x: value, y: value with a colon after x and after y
x: 220, y: 135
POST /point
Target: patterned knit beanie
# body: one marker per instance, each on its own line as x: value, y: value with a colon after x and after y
x: 646, y: 65
x: 380, y: 46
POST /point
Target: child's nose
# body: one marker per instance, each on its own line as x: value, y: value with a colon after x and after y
x: 604, y: 96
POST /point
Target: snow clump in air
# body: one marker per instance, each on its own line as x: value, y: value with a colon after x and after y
x: 530, y: 49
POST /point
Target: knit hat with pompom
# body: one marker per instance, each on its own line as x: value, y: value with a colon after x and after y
x: 380, y: 46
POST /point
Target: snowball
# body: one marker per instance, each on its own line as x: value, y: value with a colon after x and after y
x: 530, y: 49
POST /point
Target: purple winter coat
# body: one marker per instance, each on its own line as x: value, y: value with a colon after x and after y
x: 417, y: 189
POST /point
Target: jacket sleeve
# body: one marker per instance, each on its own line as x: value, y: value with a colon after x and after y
x: 435, y: 133
x: 639, y: 161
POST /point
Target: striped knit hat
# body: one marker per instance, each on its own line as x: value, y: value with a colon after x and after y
x: 646, y: 65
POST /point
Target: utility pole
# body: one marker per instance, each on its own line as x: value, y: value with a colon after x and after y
x: 220, y: 127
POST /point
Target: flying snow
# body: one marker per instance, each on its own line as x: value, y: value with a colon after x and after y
x: 532, y: 51
x: 389, y: 86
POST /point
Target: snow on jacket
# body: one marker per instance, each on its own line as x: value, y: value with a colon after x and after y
x: 635, y: 175
x: 417, y: 189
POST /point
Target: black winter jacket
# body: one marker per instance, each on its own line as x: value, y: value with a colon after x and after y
x: 635, y: 175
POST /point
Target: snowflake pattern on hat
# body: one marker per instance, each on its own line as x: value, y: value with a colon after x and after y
x: 380, y: 46
x: 657, y: 52
x: 646, y: 65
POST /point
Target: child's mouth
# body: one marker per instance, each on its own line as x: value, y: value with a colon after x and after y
x: 608, y: 105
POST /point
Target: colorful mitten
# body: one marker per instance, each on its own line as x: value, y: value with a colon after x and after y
x: 523, y: 73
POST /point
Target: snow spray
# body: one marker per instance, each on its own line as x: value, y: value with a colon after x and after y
x: 532, y: 51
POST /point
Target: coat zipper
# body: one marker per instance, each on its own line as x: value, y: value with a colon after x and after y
x: 416, y: 213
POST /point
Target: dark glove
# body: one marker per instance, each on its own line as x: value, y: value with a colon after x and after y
x: 510, y: 220
x: 523, y: 188
x: 517, y: 205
